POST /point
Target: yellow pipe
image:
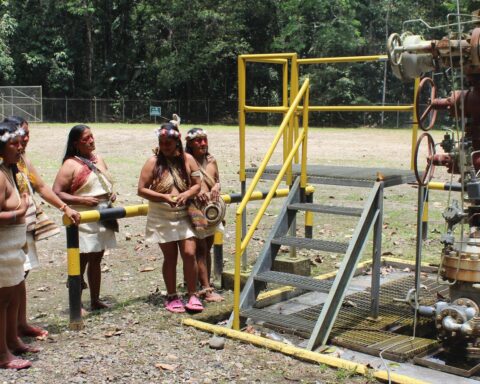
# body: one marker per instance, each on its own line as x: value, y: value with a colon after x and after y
x: 294, y: 93
x: 285, y: 105
x: 236, y: 277
x: 241, y: 115
x: 136, y: 210
x: 73, y: 261
x: 346, y: 59
x: 300, y: 353
x: 415, y: 123
x: 361, y: 108
x: 268, y: 61
x: 334, y: 108
x: 260, y: 109
x: 303, y: 174
x: 258, y: 56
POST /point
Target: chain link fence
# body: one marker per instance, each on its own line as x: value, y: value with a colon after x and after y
x: 199, y: 111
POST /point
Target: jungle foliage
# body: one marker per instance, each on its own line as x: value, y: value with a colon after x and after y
x: 187, y: 48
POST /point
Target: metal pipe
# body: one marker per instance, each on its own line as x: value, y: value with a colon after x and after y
x: 301, y: 353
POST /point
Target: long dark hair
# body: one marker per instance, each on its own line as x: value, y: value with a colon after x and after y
x: 74, y: 135
x: 161, y: 163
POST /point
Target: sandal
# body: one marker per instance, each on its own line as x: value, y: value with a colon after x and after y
x: 174, y: 305
x: 194, y: 305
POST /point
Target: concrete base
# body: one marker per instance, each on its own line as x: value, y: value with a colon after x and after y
x: 228, y: 278
x: 295, y: 266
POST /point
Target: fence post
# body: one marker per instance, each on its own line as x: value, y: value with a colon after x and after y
x: 123, y: 109
x: 208, y: 111
x: 398, y: 113
x: 66, y: 109
x: 95, y: 107
x: 74, y: 278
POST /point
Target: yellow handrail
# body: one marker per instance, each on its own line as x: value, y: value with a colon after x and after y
x: 240, y: 245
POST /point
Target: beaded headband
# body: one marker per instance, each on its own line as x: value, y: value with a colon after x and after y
x: 170, y: 133
x: 10, y: 135
x: 196, y: 134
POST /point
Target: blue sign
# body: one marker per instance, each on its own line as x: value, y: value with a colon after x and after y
x: 155, y: 111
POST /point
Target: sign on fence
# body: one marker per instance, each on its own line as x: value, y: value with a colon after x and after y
x: 155, y: 111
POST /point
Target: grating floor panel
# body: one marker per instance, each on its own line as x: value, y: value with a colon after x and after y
x: 355, y: 330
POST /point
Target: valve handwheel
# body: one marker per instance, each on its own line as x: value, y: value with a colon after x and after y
x: 424, y: 179
x: 393, y: 43
x: 429, y: 114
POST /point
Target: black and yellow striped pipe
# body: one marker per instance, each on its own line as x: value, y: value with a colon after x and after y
x: 437, y: 186
x: 74, y: 278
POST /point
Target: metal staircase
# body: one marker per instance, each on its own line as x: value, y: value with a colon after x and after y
x: 318, y: 331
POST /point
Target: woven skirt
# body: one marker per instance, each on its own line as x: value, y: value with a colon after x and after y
x: 12, y: 256
x: 166, y: 223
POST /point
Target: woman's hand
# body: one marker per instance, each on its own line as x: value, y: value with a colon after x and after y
x: 24, y: 200
x: 113, y: 197
x: 215, y: 192
x: 73, y: 215
x: 182, y: 198
x: 202, y: 197
x: 90, y: 201
x: 171, y: 199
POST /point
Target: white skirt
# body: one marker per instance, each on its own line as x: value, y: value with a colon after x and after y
x: 94, y: 237
x: 166, y: 223
x: 209, y: 231
x: 12, y: 256
x: 31, y: 254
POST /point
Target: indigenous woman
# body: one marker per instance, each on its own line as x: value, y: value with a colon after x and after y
x: 29, y: 181
x: 83, y: 182
x: 197, y: 146
x: 12, y: 240
x: 168, y: 180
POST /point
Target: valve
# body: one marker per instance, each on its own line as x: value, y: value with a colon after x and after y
x: 426, y: 118
x: 424, y: 179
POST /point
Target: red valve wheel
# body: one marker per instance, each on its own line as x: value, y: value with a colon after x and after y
x: 424, y: 179
x: 426, y: 117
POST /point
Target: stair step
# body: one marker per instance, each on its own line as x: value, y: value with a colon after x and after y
x: 320, y: 245
x: 298, y: 281
x: 329, y: 209
x: 291, y: 322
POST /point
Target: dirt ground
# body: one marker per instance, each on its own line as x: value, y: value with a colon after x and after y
x: 137, y: 341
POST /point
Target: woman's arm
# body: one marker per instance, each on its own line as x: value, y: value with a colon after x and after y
x: 14, y: 216
x: 62, y: 184
x: 48, y: 195
x: 146, y: 180
x: 212, y: 170
x: 192, y: 166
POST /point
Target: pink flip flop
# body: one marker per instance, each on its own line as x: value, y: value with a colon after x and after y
x: 174, y: 305
x: 194, y: 305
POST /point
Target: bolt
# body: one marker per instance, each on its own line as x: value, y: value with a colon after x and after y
x: 460, y: 302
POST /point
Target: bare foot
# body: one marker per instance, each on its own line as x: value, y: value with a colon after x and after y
x: 84, y: 312
x: 19, y: 347
x: 213, y: 297
x: 31, y: 331
x: 14, y: 363
x: 98, y: 304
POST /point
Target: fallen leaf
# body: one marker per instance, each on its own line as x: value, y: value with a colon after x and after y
x: 147, y: 269
x: 166, y: 367
x: 43, y: 289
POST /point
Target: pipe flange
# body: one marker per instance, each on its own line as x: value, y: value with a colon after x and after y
x: 469, y: 303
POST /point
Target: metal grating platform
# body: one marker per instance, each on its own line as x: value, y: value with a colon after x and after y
x: 351, y: 176
x: 354, y: 329
x: 319, y: 245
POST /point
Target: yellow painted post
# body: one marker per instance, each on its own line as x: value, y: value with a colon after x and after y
x: 285, y: 105
x: 306, y: 99
x: 236, y: 278
x: 415, y: 122
x: 293, y: 119
x: 241, y: 114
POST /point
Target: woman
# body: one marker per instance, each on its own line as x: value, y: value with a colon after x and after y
x: 83, y: 182
x: 12, y: 240
x: 29, y: 181
x: 197, y: 146
x: 168, y: 180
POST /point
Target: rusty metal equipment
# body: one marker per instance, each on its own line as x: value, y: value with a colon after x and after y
x: 457, y: 320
